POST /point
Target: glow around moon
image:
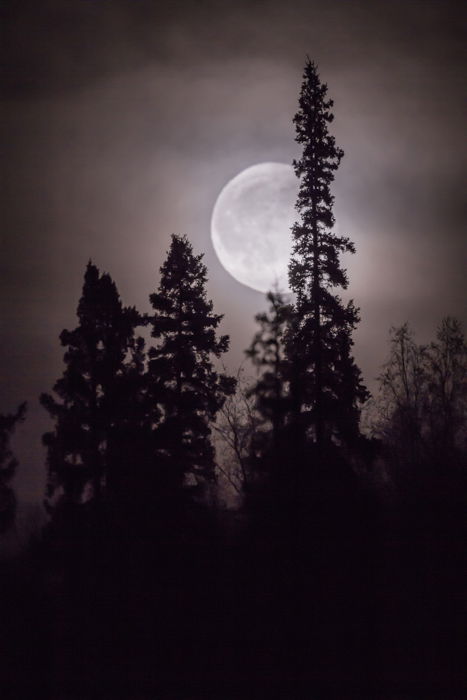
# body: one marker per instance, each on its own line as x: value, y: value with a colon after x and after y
x: 251, y: 224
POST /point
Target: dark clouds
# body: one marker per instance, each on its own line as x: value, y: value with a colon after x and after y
x: 123, y: 120
x: 56, y: 45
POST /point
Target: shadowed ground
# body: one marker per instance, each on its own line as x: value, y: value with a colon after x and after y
x: 341, y: 600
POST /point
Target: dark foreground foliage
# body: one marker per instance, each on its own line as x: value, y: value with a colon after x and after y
x: 336, y: 594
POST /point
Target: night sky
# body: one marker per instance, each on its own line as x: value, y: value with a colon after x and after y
x: 122, y: 121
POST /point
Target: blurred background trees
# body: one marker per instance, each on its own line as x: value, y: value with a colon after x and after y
x: 8, y: 465
x: 421, y: 409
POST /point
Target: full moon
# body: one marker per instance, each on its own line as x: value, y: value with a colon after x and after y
x: 251, y: 224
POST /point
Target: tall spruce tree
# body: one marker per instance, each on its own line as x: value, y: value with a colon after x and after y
x: 186, y: 389
x: 97, y: 395
x: 325, y: 383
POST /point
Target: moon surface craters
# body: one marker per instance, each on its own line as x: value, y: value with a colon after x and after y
x: 251, y: 224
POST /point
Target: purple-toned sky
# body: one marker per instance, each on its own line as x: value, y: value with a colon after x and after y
x: 122, y: 121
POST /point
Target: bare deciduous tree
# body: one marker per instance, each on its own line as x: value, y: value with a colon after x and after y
x: 237, y: 425
x: 421, y: 410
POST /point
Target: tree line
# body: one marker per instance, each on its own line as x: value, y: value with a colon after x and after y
x: 133, y: 421
x: 127, y: 416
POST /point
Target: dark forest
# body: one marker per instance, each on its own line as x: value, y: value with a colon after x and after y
x: 276, y: 532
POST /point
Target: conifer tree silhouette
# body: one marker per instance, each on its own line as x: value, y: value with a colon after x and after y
x: 325, y: 383
x: 185, y: 387
x: 8, y: 465
x: 94, y: 396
